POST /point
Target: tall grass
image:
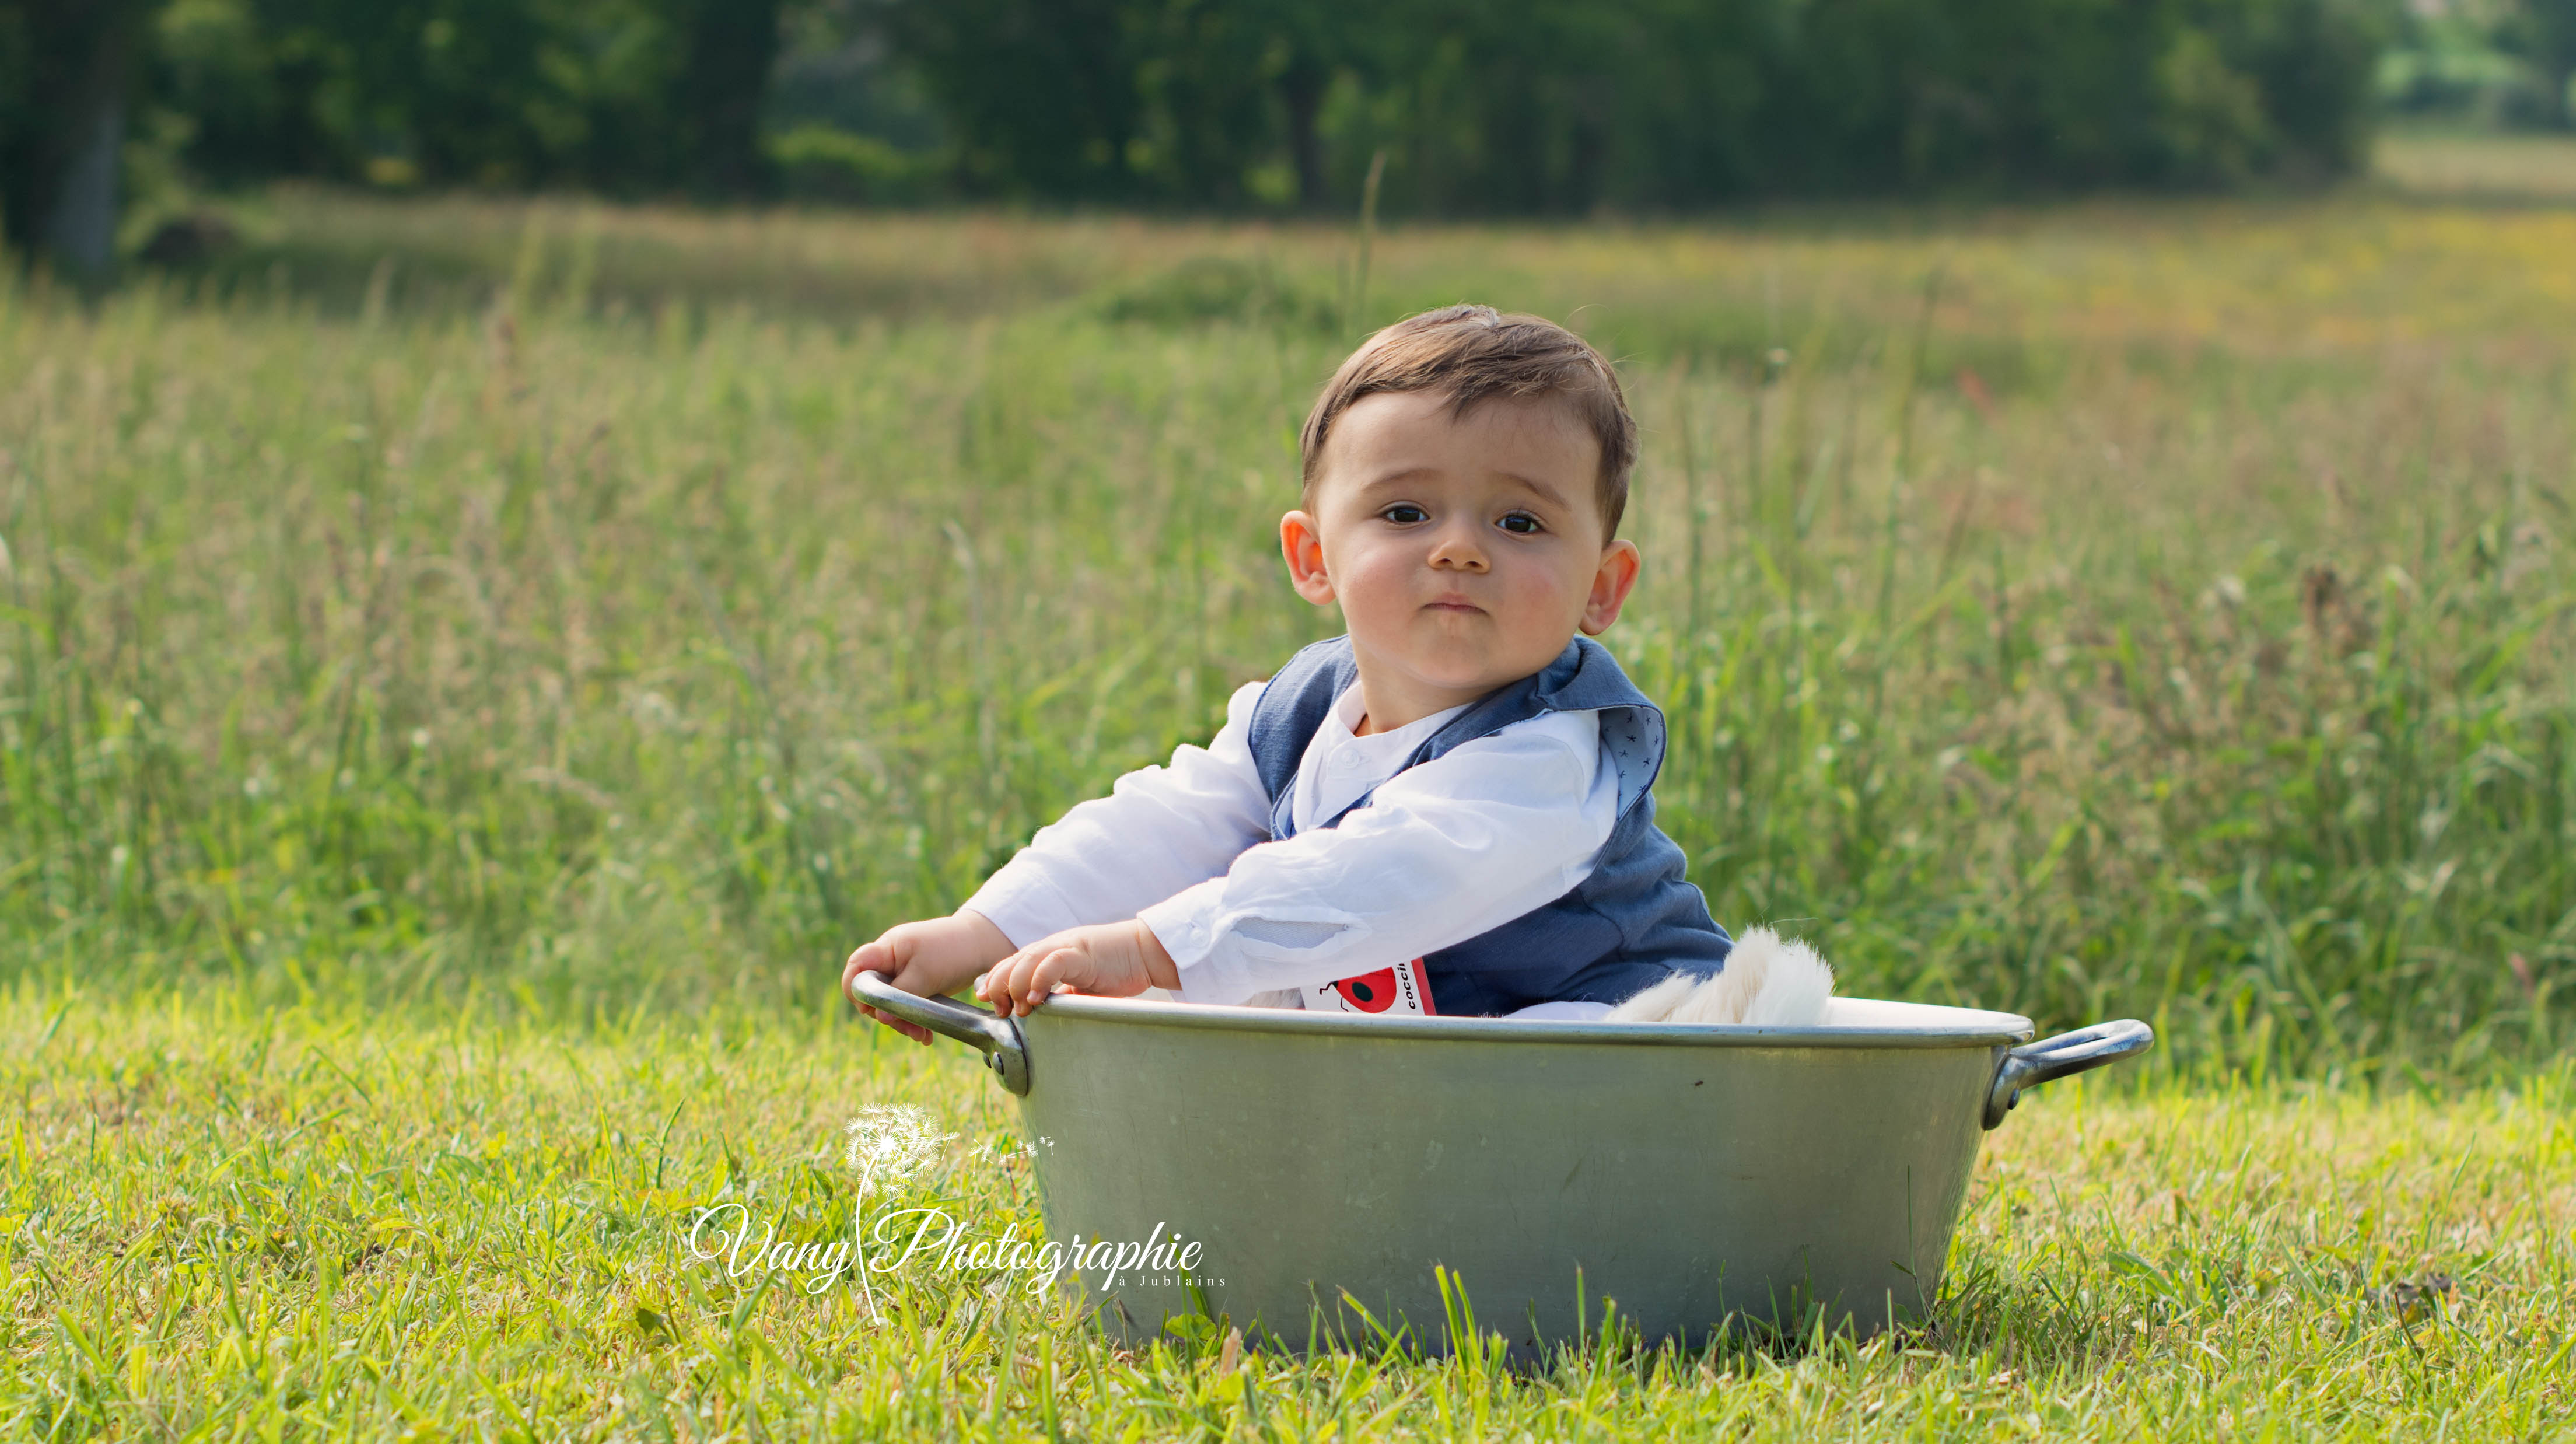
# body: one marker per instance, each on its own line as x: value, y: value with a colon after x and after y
x: 2085, y: 613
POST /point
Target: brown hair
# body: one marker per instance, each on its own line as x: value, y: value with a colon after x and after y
x: 1475, y: 354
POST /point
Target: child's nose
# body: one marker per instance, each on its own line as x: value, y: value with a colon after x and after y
x: 1457, y: 549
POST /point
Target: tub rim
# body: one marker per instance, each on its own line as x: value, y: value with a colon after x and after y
x: 1965, y: 1028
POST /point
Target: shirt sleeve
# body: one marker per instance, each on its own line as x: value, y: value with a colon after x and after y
x: 1443, y: 852
x: 1159, y: 831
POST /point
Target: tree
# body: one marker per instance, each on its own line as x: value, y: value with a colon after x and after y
x: 626, y: 96
x: 2543, y: 32
x: 732, y: 47
x: 1040, y: 93
x: 68, y: 67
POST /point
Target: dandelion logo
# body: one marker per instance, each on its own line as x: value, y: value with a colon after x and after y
x: 888, y: 1143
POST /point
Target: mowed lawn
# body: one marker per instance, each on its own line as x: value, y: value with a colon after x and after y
x: 469, y: 670
x: 224, y: 1223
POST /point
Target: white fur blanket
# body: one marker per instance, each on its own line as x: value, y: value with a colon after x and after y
x: 1768, y: 981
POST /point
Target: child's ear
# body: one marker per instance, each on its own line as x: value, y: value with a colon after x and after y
x: 1303, y: 546
x: 1610, y: 586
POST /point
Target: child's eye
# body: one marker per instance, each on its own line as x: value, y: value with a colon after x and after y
x: 1405, y: 513
x: 1521, y: 523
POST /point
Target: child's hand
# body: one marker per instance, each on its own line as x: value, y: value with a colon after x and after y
x: 1116, y: 960
x: 927, y: 959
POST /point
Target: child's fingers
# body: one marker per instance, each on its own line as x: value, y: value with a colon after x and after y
x: 996, y: 985
x: 1012, y: 996
x: 1003, y: 991
x: 1063, y: 967
x: 875, y: 957
x: 914, y: 1031
x: 1020, y: 982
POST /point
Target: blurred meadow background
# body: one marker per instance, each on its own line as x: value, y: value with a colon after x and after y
x: 2086, y: 610
x: 599, y: 507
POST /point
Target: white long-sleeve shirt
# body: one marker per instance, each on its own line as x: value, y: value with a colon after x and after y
x: 1444, y: 852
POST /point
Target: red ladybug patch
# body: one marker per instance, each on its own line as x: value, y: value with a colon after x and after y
x: 1403, y: 989
x: 1369, y: 992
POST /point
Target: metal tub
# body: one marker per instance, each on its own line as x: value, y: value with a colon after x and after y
x: 1690, y: 1173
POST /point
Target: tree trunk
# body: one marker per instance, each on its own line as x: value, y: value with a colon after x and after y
x: 80, y: 232
x: 1301, y: 93
x: 59, y: 195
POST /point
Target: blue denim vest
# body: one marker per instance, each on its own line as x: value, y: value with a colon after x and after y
x: 1635, y: 921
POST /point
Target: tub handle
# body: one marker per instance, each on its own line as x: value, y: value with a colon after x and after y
x: 998, y: 1039
x: 2050, y: 1059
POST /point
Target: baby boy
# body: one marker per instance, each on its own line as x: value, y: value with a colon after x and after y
x: 1445, y: 810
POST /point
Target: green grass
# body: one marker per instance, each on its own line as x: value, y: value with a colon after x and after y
x: 227, y: 1222
x: 469, y: 671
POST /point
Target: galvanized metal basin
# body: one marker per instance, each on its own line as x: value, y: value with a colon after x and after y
x: 1691, y: 1173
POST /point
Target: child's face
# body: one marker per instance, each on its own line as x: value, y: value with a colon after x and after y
x: 1465, y: 551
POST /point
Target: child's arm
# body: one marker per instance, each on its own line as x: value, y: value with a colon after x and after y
x: 1445, y: 851
x: 1160, y: 830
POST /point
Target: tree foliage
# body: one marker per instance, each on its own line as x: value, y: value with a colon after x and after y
x: 612, y: 94
x: 2543, y: 32
x: 1526, y: 106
